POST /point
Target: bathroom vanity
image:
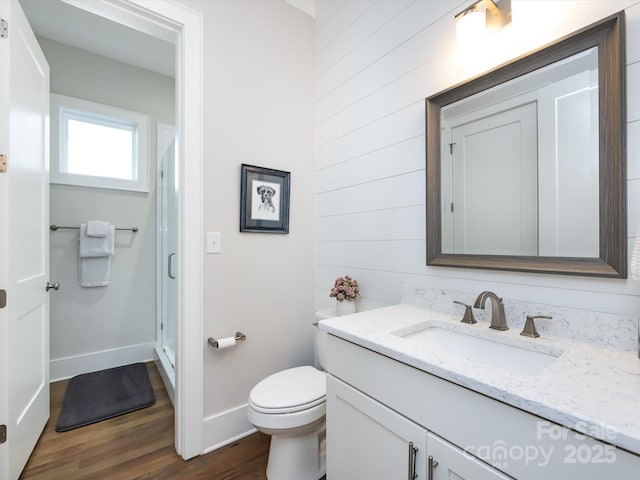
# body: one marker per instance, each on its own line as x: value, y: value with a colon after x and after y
x: 414, y: 393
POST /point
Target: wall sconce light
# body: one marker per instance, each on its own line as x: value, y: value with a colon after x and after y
x: 482, y: 16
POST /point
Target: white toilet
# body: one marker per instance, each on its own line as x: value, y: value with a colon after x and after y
x: 290, y: 406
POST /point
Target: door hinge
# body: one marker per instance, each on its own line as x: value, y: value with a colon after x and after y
x: 4, y: 28
x: 3, y: 163
x: 451, y: 148
x: 3, y: 298
x: 451, y: 207
x: 161, y: 326
x: 3, y: 434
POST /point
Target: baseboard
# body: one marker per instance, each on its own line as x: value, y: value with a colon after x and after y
x: 226, y: 427
x: 63, y: 368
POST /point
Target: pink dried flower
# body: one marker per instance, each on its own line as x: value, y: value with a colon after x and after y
x: 345, y: 288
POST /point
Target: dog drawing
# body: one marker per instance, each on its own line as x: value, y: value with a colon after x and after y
x: 266, y: 195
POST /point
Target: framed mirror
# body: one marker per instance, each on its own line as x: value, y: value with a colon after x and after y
x: 526, y: 164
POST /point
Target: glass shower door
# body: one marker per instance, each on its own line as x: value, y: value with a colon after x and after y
x: 169, y: 186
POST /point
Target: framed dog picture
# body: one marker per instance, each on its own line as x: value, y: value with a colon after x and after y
x: 264, y: 200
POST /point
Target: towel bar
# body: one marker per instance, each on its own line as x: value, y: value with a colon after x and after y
x: 58, y: 227
x: 240, y: 337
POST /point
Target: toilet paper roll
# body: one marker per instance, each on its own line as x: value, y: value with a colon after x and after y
x: 226, y: 342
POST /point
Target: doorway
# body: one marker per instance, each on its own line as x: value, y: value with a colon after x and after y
x: 182, y: 27
x: 104, y: 171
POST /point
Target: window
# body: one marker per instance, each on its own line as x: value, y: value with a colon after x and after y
x: 95, y: 145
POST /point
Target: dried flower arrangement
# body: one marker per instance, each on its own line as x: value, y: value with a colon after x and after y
x: 345, y: 288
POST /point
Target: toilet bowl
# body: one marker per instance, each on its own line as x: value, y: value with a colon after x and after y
x: 290, y: 406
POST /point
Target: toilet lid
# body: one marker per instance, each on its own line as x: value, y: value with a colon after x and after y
x: 290, y: 390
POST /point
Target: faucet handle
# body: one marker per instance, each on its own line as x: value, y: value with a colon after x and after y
x: 468, y: 313
x: 529, y: 329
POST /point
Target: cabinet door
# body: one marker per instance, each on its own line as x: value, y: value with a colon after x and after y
x: 454, y: 463
x: 366, y: 440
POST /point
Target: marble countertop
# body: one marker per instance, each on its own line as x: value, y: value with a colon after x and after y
x: 590, y: 389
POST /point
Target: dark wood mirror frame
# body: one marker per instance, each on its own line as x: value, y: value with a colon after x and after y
x: 609, y: 36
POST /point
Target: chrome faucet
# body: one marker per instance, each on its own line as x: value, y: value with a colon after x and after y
x: 498, y: 318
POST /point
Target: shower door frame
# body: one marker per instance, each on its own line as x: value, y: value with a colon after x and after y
x: 182, y: 26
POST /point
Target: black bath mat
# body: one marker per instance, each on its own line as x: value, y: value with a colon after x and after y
x: 93, y: 397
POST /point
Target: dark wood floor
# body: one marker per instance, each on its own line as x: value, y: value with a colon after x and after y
x: 138, y: 445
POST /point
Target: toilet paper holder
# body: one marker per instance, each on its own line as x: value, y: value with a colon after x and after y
x: 239, y: 337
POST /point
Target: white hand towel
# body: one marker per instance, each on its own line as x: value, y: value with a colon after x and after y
x: 95, y: 257
x: 97, y: 246
x: 95, y: 271
x: 97, y: 228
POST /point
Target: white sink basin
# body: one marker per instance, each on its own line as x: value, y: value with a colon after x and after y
x: 517, y: 356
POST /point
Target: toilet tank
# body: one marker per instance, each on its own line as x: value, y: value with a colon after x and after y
x: 320, y: 337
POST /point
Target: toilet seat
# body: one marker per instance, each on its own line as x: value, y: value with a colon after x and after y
x: 273, y: 424
x: 292, y: 409
x: 289, y: 391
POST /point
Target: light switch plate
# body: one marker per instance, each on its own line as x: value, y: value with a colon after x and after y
x: 214, y: 242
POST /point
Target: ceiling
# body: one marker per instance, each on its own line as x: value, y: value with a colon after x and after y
x: 61, y: 22
x: 64, y: 23
x: 307, y: 6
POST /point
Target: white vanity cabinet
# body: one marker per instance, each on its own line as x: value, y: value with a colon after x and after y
x: 366, y: 439
x: 377, y: 405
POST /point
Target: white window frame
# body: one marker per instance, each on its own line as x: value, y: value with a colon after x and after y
x: 63, y: 107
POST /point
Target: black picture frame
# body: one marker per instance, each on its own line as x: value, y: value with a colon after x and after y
x: 264, y: 199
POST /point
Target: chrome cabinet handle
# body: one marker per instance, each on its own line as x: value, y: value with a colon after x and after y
x: 432, y: 463
x: 412, y: 461
x: 55, y: 286
x: 170, y: 267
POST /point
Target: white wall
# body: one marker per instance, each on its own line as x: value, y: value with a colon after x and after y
x: 95, y: 328
x: 258, y: 104
x: 376, y: 62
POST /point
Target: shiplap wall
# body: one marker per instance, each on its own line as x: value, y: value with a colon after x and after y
x: 376, y: 62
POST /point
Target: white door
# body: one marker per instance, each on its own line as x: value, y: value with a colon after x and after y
x: 24, y: 241
x: 367, y: 440
x: 495, y: 184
